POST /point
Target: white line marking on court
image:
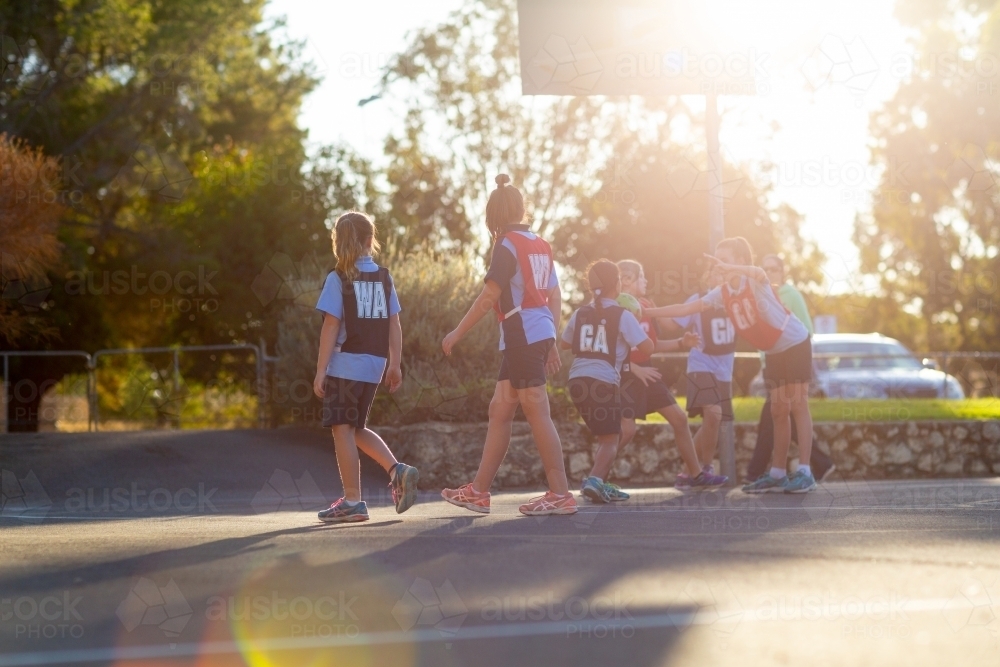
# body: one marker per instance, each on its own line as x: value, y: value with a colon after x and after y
x: 584, y: 627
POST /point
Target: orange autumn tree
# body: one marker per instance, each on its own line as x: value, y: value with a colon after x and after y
x: 30, y: 209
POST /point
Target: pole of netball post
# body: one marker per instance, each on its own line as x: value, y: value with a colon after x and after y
x: 716, y: 232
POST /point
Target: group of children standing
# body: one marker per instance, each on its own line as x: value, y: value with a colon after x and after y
x: 611, y: 381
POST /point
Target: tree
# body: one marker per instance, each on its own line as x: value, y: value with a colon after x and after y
x: 932, y: 236
x: 184, y: 167
x: 29, y: 216
x: 601, y: 175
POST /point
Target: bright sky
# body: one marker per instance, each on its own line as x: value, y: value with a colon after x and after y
x: 827, y: 67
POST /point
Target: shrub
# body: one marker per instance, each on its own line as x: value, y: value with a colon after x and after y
x: 435, y: 290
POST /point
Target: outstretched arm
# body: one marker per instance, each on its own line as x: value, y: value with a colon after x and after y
x: 482, y: 305
x: 677, y: 309
x: 752, y: 272
x: 686, y: 343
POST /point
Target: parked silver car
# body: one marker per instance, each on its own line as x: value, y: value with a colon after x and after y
x: 872, y: 366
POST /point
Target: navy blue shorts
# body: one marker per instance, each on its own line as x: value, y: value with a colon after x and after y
x: 347, y: 401
x: 524, y: 365
x: 793, y: 366
x: 703, y: 390
x: 599, y: 403
x: 638, y: 400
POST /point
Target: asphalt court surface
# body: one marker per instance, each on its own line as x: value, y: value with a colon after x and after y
x: 856, y: 573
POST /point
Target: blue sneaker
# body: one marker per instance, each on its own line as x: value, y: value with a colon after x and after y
x: 766, y: 484
x: 594, y: 490
x: 800, y: 482
x: 615, y: 492
x: 340, y: 512
x: 404, y: 487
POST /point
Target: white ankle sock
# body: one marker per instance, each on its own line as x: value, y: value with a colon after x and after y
x: 351, y: 503
x: 806, y: 469
x: 778, y: 473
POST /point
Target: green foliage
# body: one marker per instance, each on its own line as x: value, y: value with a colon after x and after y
x: 932, y: 237
x: 434, y: 289
x: 136, y: 391
x: 747, y: 409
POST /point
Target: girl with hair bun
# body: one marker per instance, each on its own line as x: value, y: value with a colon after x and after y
x: 522, y: 290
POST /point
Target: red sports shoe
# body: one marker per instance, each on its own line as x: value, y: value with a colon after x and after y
x: 550, y: 503
x: 469, y: 498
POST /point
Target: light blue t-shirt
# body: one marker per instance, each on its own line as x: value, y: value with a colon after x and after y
x: 770, y: 308
x: 630, y: 334
x: 721, y: 366
x: 361, y: 367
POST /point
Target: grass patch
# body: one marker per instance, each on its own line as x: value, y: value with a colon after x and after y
x: 747, y: 409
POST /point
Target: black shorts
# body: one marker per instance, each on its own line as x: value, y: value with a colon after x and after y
x: 347, y: 401
x: 703, y: 390
x: 598, y: 403
x: 793, y: 366
x: 524, y: 366
x: 638, y: 400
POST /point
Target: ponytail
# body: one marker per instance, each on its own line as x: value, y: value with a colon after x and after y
x: 505, y: 207
x: 350, y: 241
x: 602, y: 278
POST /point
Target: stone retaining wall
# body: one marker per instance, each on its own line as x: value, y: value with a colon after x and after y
x: 448, y: 454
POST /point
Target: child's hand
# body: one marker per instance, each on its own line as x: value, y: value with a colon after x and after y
x: 646, y: 374
x: 393, y: 378
x: 449, y: 342
x: 691, y: 340
x: 318, y: 384
x: 554, y: 362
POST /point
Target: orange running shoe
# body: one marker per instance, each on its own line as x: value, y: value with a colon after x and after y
x: 550, y: 503
x: 469, y: 498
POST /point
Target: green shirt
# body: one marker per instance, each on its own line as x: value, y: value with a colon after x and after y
x: 792, y: 298
x: 793, y: 301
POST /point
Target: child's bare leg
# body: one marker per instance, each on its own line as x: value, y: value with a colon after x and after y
x: 803, y: 421
x: 706, y: 440
x: 371, y: 444
x: 535, y: 403
x: 628, y: 432
x: 682, y: 434
x: 781, y: 416
x: 607, y: 450
x: 347, y: 461
x: 502, y: 408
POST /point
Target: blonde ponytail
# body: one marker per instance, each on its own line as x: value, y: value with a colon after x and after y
x: 350, y: 241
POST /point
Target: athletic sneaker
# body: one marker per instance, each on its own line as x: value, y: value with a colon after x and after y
x: 800, y: 482
x: 711, y: 478
x: 615, y: 492
x: 550, y: 503
x: 703, y: 480
x: 594, y: 491
x: 404, y: 487
x: 469, y: 498
x: 340, y: 512
x: 766, y: 484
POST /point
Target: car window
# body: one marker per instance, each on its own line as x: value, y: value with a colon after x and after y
x: 835, y: 355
